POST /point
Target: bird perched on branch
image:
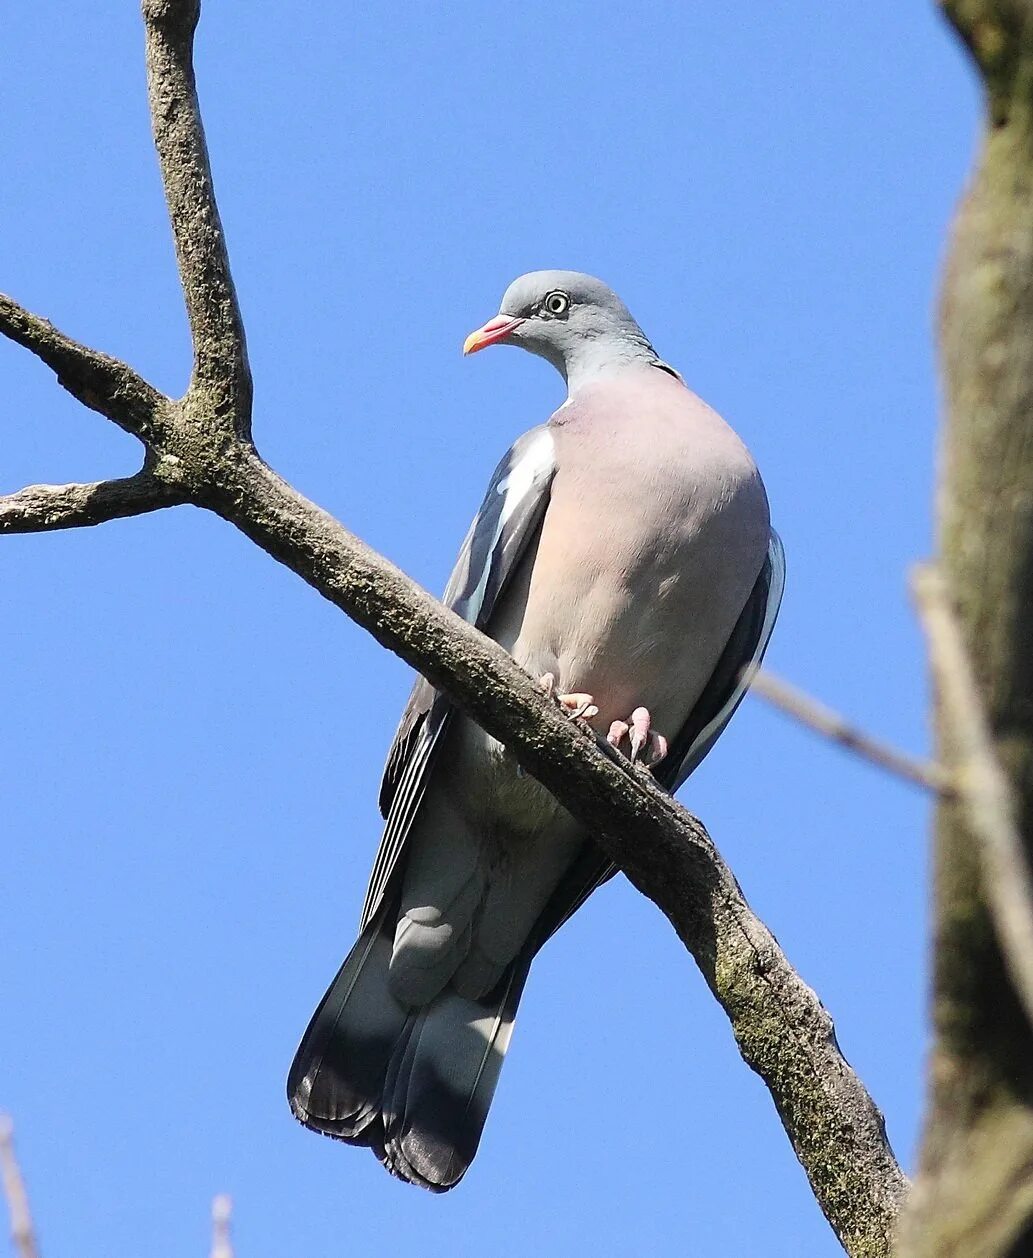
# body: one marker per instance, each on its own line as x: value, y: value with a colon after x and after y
x: 623, y: 555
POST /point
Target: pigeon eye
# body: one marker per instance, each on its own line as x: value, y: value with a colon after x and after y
x: 556, y: 303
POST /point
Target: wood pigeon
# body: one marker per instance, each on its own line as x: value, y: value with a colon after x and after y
x: 623, y: 555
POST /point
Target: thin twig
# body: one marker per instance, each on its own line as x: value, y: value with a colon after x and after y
x: 816, y: 716
x: 40, y: 508
x: 22, y: 1232
x: 217, y: 328
x: 980, y: 782
x: 222, y: 1243
x: 102, y: 383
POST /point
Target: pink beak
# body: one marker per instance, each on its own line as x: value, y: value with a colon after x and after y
x: 496, y: 329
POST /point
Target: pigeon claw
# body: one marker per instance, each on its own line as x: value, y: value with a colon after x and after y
x: 578, y: 705
x: 573, y: 705
x: 644, y: 742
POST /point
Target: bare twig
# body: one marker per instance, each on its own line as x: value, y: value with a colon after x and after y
x: 831, y: 725
x: 39, y: 508
x: 102, y: 383
x: 222, y: 1243
x: 217, y: 328
x: 22, y: 1233
x: 981, y: 784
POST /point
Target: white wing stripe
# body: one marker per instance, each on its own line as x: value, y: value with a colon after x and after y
x: 535, y: 462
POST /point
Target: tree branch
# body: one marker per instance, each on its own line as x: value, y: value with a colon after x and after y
x: 40, y: 508
x: 974, y: 1192
x: 838, y: 729
x: 994, y: 32
x: 782, y: 1030
x: 982, y: 788
x: 102, y: 383
x: 22, y: 1233
x: 221, y: 368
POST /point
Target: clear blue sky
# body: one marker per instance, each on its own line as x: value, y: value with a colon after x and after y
x: 192, y: 738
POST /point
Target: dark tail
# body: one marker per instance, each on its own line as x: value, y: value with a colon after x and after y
x: 414, y: 1084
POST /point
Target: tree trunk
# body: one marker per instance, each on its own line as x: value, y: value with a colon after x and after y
x: 974, y: 1195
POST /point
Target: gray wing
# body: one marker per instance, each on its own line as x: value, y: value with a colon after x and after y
x: 735, y: 670
x: 722, y: 694
x: 509, y: 517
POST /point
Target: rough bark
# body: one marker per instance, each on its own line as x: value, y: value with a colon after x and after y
x: 37, y: 508
x: 199, y: 450
x: 975, y: 1191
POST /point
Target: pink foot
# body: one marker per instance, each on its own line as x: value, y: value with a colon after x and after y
x: 644, y: 742
x: 573, y: 705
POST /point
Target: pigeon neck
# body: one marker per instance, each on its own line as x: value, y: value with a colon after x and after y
x: 592, y: 360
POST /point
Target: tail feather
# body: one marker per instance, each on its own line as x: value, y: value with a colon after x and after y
x: 443, y: 1078
x: 413, y: 1084
x: 337, y: 1078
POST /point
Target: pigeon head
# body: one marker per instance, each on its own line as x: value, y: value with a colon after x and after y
x: 572, y: 320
